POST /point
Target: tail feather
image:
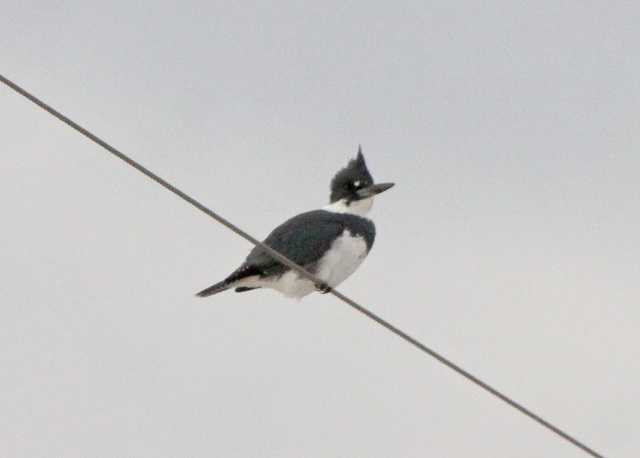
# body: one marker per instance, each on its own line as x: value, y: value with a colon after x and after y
x: 234, y: 280
x: 242, y: 289
x: 214, y: 289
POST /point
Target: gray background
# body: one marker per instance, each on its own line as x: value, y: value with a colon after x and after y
x: 510, y: 243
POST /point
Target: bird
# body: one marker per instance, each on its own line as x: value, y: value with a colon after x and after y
x: 329, y: 243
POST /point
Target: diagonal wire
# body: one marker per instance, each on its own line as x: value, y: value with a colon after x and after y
x: 299, y: 269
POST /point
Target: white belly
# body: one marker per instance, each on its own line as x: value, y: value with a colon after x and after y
x: 291, y: 285
x: 344, y: 257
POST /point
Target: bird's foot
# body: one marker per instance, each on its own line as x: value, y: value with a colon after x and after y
x: 323, y: 288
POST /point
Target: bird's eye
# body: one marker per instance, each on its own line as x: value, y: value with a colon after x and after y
x: 357, y: 184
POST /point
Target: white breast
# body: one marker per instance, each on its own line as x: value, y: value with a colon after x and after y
x: 343, y: 258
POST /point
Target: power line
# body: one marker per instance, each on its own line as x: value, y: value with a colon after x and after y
x: 299, y: 269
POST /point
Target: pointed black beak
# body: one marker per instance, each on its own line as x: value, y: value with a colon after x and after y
x: 373, y: 190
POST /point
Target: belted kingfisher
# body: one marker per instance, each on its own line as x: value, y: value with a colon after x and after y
x: 329, y: 243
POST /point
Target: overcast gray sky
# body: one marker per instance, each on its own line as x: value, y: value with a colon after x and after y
x: 510, y: 243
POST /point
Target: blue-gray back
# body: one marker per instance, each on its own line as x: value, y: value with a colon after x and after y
x: 306, y: 237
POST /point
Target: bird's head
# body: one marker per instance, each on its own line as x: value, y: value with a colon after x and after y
x: 352, y: 188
